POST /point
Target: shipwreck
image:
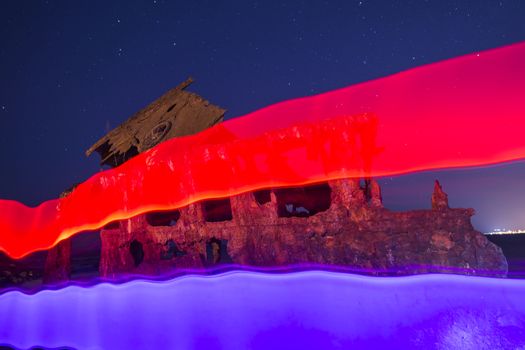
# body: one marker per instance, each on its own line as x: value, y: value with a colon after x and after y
x: 338, y: 223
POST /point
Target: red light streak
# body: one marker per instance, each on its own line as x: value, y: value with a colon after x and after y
x: 440, y: 115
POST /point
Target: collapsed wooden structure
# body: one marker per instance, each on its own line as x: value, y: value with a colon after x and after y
x: 174, y: 114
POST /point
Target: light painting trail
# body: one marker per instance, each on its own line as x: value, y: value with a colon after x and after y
x: 312, y: 309
x: 387, y: 126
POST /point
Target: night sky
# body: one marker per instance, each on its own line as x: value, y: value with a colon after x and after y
x: 71, y: 71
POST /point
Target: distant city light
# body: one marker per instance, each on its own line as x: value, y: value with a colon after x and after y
x: 504, y: 232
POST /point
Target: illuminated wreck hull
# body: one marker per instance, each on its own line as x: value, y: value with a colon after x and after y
x: 337, y: 223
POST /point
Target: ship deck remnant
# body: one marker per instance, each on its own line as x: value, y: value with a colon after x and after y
x: 174, y: 114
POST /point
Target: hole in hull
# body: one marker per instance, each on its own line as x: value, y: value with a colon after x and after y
x: 163, y: 218
x: 216, y: 210
x: 303, y: 201
x: 171, y: 250
x: 217, y: 252
x: 262, y: 196
x: 137, y: 252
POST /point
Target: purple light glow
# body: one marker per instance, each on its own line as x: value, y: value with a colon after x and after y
x: 252, y: 310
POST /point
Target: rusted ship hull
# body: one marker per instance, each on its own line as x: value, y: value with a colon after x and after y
x: 338, y: 223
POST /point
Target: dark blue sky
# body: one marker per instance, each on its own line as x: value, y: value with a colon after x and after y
x: 71, y: 70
